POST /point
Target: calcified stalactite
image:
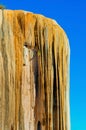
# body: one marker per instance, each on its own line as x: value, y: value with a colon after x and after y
x: 34, y: 77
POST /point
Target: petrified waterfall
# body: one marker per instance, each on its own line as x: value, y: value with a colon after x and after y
x: 34, y: 74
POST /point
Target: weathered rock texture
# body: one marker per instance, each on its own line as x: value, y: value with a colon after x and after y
x: 34, y: 77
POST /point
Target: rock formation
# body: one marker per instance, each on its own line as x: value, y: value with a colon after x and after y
x: 34, y: 74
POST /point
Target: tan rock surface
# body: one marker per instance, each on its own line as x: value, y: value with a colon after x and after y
x: 34, y: 75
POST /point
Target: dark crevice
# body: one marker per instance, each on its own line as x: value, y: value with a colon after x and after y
x: 54, y: 90
x: 46, y: 102
x: 12, y: 128
x: 36, y: 75
x: 62, y: 65
x: 21, y: 22
x: 58, y: 92
x: 26, y: 44
x: 39, y: 126
x: 44, y: 55
x: 45, y: 88
x: 25, y: 54
x: 46, y: 45
x: 36, y: 33
x: 62, y: 82
x: 39, y: 37
x: 36, y: 59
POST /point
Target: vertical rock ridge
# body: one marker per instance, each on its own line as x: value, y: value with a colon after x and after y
x: 34, y: 74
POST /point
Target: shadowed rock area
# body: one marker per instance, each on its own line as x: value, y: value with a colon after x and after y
x: 34, y: 74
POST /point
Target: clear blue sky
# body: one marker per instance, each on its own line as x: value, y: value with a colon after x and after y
x: 71, y: 15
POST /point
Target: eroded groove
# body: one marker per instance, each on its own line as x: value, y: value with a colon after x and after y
x: 54, y: 90
x: 59, y: 107
x: 36, y: 75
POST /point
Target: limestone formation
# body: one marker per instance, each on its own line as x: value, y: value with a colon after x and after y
x: 34, y: 88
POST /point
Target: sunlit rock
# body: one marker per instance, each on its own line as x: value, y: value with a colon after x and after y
x: 34, y: 74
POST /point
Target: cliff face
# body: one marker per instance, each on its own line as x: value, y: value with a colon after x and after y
x: 34, y: 77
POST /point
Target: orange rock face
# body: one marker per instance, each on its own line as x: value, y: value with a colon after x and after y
x: 34, y: 74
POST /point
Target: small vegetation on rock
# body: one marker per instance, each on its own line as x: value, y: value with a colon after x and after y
x: 2, y: 6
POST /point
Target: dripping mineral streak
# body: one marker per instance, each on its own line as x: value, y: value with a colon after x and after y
x: 34, y: 94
